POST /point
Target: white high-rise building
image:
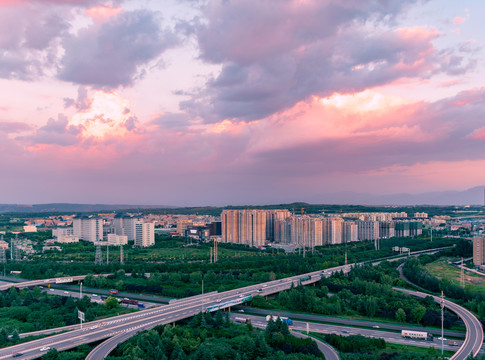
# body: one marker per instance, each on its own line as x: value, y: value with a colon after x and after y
x: 144, y: 234
x: 88, y: 228
x: 125, y: 225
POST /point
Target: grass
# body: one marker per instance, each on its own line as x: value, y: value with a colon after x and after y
x: 442, y: 270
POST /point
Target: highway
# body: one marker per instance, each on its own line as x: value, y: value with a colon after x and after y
x: 350, y: 322
x: 43, y: 282
x: 145, y: 319
x: 388, y: 336
x: 130, y: 324
x: 474, y: 330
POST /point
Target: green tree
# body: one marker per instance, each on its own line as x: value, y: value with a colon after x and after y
x: 111, y: 302
x: 417, y: 313
x: 52, y: 354
x: 400, y: 315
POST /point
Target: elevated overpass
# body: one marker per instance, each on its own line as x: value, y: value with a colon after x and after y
x: 122, y: 327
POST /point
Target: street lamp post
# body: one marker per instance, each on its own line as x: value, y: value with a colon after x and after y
x: 442, y: 321
x: 81, y: 290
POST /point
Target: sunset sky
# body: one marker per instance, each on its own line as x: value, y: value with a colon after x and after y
x: 189, y: 102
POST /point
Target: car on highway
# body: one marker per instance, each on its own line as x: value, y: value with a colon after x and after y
x: 345, y: 332
x: 51, y: 289
x: 440, y: 338
x: 66, y: 292
x: 94, y: 295
x: 375, y: 326
x: 17, y: 354
x: 45, y: 348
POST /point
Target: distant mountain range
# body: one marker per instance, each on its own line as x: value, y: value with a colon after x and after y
x: 72, y: 208
x: 473, y: 196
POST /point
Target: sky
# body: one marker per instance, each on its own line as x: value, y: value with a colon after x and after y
x: 233, y: 102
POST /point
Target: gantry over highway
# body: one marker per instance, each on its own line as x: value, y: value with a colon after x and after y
x: 120, y: 328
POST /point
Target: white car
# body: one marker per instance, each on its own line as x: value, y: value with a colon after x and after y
x: 66, y: 292
x: 45, y: 348
x: 440, y: 338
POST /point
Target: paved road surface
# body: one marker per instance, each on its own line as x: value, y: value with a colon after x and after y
x: 474, y: 331
x: 350, y: 322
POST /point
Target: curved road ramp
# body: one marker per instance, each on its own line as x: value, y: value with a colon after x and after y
x: 474, y: 331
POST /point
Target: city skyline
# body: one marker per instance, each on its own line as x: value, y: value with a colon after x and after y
x: 238, y: 102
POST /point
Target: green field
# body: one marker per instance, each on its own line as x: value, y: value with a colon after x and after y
x: 441, y: 269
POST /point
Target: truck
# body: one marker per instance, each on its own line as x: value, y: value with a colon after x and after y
x: 104, y: 297
x: 305, y: 278
x: 113, y: 291
x: 417, y: 335
x: 129, y: 301
x: 452, y: 342
x: 242, y: 320
x: 141, y: 306
x: 284, y: 319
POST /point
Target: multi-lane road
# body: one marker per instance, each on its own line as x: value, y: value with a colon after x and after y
x: 388, y: 336
x: 122, y: 327
x: 474, y: 331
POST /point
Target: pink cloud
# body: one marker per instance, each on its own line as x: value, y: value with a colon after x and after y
x: 458, y: 20
x: 103, y: 12
x: 478, y: 133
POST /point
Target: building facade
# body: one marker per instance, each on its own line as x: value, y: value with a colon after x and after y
x: 88, y: 228
x: 144, y: 234
x: 246, y: 227
x: 479, y: 250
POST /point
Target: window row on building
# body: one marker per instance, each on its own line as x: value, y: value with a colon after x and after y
x: 256, y: 227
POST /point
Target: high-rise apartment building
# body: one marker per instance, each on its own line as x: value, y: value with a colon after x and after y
x: 387, y: 229
x: 349, y: 231
x: 282, y: 232
x: 88, y: 228
x: 125, y: 225
x: 271, y: 217
x: 332, y: 230
x: 368, y: 230
x: 479, y: 250
x: 246, y: 227
x: 144, y: 234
